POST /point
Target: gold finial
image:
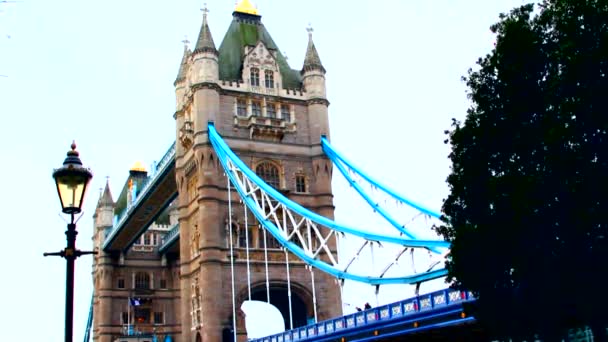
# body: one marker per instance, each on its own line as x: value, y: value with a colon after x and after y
x: 245, y: 6
x: 138, y: 166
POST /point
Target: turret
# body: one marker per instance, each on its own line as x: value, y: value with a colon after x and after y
x: 137, y: 176
x: 205, y: 55
x: 204, y: 73
x: 313, y: 72
x: 103, y: 218
x: 104, y: 212
x: 313, y: 80
x: 181, y: 81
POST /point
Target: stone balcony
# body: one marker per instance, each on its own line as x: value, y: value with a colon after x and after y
x: 265, y: 128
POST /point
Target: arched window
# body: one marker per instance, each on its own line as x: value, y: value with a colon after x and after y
x: 142, y: 281
x: 254, y: 76
x: 235, y: 235
x: 268, y: 78
x: 269, y: 173
x: 243, y: 237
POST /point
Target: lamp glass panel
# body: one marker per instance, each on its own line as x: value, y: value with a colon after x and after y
x: 71, y: 189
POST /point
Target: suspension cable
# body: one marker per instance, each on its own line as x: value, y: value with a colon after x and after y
x: 289, y: 290
x: 247, y: 252
x: 266, y: 266
x: 231, y: 258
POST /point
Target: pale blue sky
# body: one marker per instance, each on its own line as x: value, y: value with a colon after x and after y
x: 102, y: 72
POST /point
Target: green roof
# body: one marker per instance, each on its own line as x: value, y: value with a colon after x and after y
x: 248, y: 30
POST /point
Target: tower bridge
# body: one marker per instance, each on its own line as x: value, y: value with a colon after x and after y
x: 240, y: 209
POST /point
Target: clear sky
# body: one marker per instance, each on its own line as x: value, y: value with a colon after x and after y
x: 102, y: 72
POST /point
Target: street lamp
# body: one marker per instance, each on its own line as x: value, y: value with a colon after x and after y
x: 71, y: 180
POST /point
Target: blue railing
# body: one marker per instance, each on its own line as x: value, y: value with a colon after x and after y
x: 87, y: 330
x: 169, y: 238
x: 374, y: 316
x: 145, y: 187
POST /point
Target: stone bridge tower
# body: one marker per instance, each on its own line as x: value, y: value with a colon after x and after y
x: 273, y: 117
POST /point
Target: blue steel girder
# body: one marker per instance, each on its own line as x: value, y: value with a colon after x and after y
x: 143, y: 213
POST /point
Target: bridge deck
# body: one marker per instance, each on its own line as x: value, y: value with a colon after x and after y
x: 155, y: 196
x: 417, y: 315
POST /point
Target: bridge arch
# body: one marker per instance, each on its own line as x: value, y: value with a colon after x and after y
x: 301, y: 297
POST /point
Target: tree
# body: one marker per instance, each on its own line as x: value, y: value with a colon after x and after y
x: 527, y: 215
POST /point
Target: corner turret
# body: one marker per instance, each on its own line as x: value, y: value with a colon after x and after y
x: 313, y: 80
x: 205, y: 55
x: 313, y: 72
x: 104, y: 213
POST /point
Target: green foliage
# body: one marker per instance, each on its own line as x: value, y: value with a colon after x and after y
x: 528, y: 213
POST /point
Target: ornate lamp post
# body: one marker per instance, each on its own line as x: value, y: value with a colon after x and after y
x: 72, y: 180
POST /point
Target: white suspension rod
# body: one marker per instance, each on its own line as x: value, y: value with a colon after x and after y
x: 266, y: 265
x: 314, y: 295
x: 247, y: 252
x: 289, y: 290
x: 231, y: 258
x: 371, y: 247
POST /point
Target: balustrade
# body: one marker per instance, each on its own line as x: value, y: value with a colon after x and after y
x: 374, y: 316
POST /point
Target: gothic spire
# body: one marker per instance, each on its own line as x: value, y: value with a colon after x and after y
x: 106, y: 198
x: 205, y: 41
x: 183, y: 67
x: 312, y: 60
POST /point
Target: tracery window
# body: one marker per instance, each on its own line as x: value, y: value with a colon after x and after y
x: 269, y: 173
x: 254, y: 76
x: 269, y: 78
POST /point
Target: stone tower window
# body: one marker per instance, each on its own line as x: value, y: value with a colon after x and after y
x: 241, y: 108
x: 254, y: 76
x: 269, y: 173
x: 256, y: 108
x: 271, y: 242
x: 159, y: 318
x: 243, y: 238
x: 285, y: 114
x: 271, y: 111
x: 300, y: 183
x: 269, y: 78
x: 142, y: 281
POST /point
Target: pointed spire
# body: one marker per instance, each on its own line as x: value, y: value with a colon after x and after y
x: 183, y: 67
x: 312, y: 60
x: 205, y: 41
x: 106, y: 198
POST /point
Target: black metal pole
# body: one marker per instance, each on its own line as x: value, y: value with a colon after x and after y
x: 70, y: 255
